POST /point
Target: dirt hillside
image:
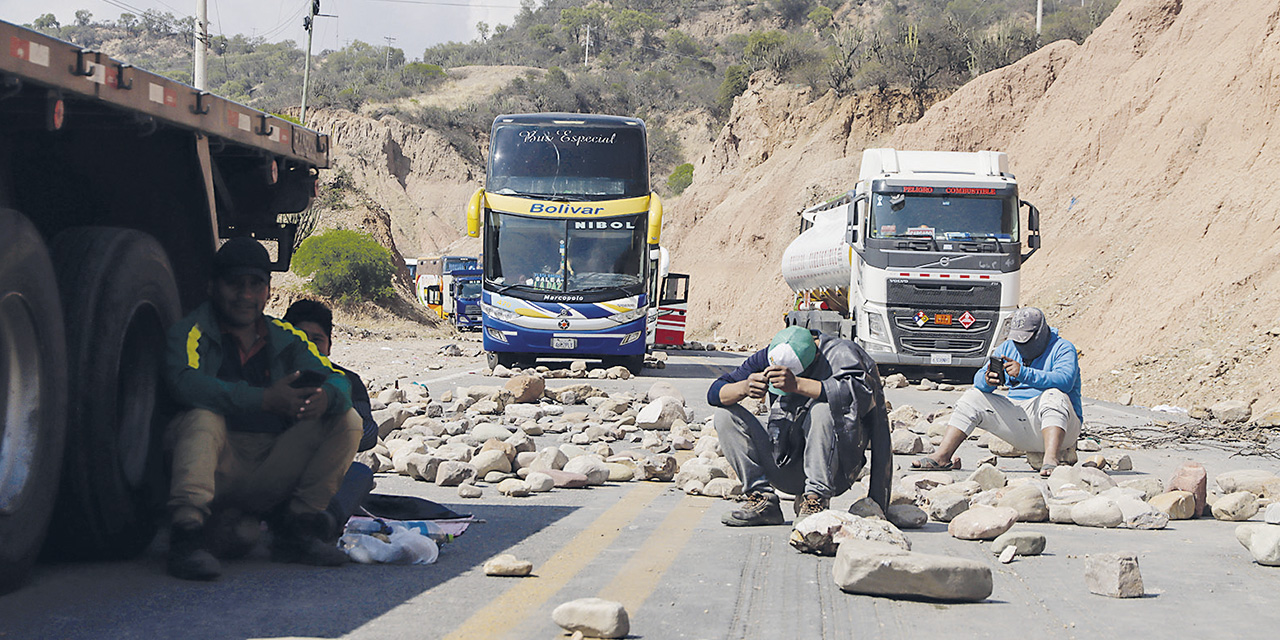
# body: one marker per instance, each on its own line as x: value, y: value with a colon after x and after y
x: 1152, y: 160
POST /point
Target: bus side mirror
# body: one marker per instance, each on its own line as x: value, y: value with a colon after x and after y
x: 655, y: 219
x: 473, y: 213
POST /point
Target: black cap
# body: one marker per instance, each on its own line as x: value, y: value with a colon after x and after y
x: 243, y: 255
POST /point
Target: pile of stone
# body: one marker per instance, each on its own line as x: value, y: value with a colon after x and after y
x: 899, y: 381
x: 577, y: 369
x: 718, y: 344
x: 1236, y: 412
x: 484, y: 435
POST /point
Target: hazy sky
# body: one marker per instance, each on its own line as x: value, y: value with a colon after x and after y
x: 415, y: 24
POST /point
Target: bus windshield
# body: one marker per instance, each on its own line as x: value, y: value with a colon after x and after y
x: 570, y: 162
x: 560, y: 255
x: 898, y: 215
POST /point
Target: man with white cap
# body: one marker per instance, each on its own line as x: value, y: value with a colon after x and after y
x: 1042, y: 410
x: 827, y: 406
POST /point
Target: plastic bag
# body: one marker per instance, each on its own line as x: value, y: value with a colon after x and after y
x: 405, y: 546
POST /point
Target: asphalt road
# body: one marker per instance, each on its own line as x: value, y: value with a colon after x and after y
x: 680, y: 573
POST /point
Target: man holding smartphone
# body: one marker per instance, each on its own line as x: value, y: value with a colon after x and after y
x: 827, y: 406
x: 1042, y: 410
x: 266, y: 428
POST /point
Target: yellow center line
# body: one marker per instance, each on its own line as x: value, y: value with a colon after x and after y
x: 637, y: 580
x: 507, y: 611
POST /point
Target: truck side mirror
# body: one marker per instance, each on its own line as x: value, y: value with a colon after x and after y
x: 851, y: 220
x: 1033, y: 229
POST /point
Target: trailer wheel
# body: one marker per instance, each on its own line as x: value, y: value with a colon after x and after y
x: 33, y: 376
x: 120, y: 296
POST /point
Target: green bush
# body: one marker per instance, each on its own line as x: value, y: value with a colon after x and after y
x: 346, y: 266
x: 680, y: 179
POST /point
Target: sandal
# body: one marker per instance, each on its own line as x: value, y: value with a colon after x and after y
x: 929, y: 464
x: 1047, y: 470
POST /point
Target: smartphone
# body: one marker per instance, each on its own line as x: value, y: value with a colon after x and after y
x: 996, y: 364
x: 309, y: 379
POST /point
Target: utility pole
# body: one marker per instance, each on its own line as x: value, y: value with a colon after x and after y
x: 586, y: 53
x: 201, y: 44
x: 1040, y: 13
x: 389, y: 40
x: 308, y: 23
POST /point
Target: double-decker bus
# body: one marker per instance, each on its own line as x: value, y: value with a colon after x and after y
x: 571, y: 233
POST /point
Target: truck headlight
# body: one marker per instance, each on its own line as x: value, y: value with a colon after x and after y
x: 630, y: 337
x: 875, y: 327
x: 498, y: 313
x: 628, y: 316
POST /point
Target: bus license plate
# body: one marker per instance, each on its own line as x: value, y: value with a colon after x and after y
x: 940, y: 358
x: 564, y: 343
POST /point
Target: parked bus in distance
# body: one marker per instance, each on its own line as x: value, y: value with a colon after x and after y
x: 571, y: 233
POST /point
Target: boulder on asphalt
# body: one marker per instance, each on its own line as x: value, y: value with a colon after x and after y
x: 981, y: 522
x: 591, y: 467
x: 1098, y: 511
x: 514, y: 487
x: 1138, y: 514
x: 906, y: 516
x: 1235, y: 507
x: 620, y: 472
x: 1150, y: 487
x: 880, y: 569
x: 1178, y: 505
x: 507, y: 565
x: 526, y: 389
x: 491, y: 460
x: 1191, y: 477
x: 1272, y: 515
x: 663, y: 388
x: 1114, y: 575
x: 657, y: 468
x: 905, y: 442
x: 594, y: 617
x: 1027, y: 543
x: 660, y: 414
x: 1027, y: 501
x: 1263, y: 484
x: 821, y: 533
x: 486, y: 430
x: 539, y: 482
x: 1262, y: 541
x: 944, y: 506
x: 867, y: 508
x: 469, y: 491
x: 566, y: 479
x: 722, y: 488
x: 988, y: 477
x: 452, y: 473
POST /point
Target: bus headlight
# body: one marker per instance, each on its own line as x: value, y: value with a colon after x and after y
x: 498, y: 313
x: 875, y: 327
x: 630, y: 337
x: 628, y: 316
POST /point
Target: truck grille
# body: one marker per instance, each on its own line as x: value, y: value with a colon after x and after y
x: 939, y: 295
x: 973, y: 342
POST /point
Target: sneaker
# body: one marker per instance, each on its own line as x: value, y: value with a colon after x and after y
x: 761, y: 508
x: 300, y: 538
x: 188, y: 559
x: 809, y: 504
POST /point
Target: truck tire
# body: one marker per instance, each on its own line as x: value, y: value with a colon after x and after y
x: 33, y: 374
x: 119, y: 296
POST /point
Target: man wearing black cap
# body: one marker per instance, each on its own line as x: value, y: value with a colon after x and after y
x: 1042, y: 411
x: 268, y: 429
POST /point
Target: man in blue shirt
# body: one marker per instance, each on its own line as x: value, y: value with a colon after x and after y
x: 1043, y: 409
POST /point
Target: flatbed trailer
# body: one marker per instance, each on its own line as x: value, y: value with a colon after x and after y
x: 117, y: 185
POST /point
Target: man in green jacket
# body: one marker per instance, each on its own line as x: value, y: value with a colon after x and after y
x: 267, y: 426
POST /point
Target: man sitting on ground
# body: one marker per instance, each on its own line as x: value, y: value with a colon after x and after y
x: 255, y: 435
x: 316, y: 320
x: 1042, y: 411
x: 828, y: 405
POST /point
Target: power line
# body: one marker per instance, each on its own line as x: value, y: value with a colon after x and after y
x: 442, y: 3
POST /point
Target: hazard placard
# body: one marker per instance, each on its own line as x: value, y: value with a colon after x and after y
x: 967, y: 320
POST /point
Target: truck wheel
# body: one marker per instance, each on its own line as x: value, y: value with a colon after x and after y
x: 119, y: 294
x: 33, y: 375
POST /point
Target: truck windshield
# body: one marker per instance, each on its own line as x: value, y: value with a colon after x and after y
x: 898, y: 215
x: 570, y: 162
x: 565, y: 255
x: 469, y: 289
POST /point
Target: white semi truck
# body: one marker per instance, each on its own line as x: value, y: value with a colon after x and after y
x: 920, y: 263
